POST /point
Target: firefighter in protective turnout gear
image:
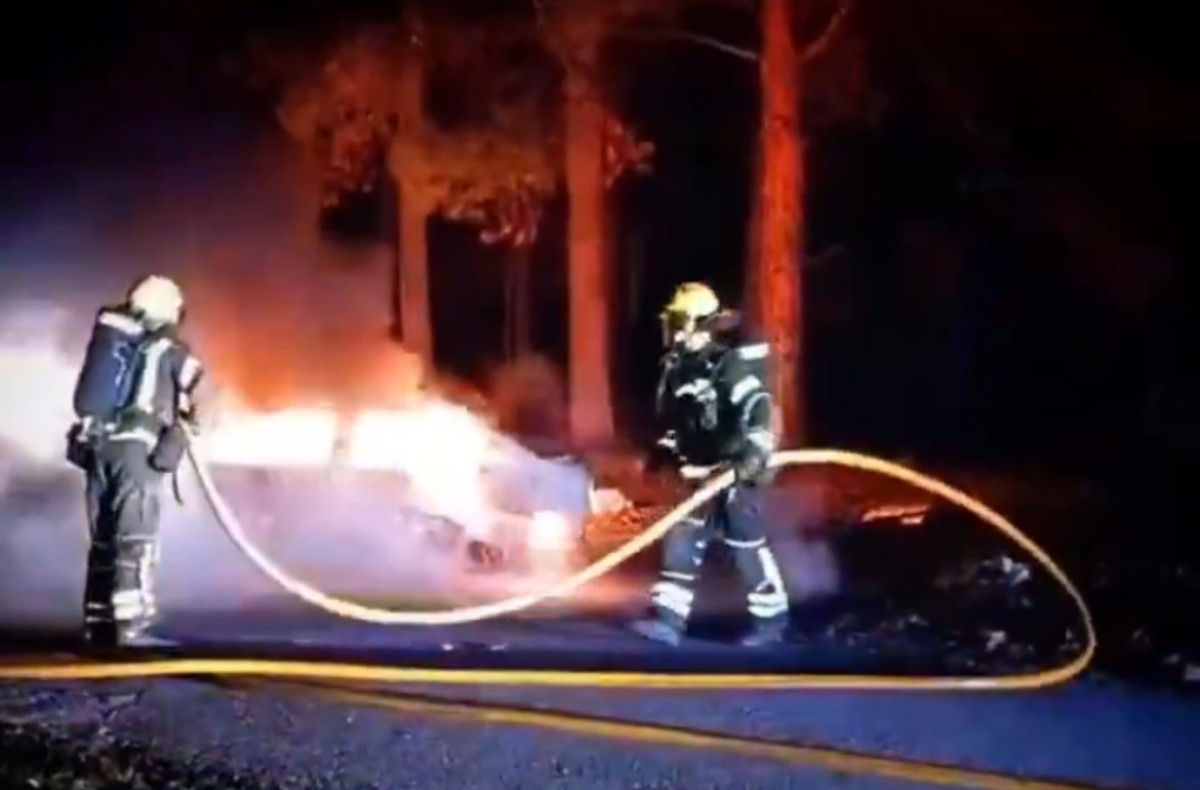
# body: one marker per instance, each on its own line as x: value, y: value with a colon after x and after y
x: 134, y: 392
x: 716, y: 413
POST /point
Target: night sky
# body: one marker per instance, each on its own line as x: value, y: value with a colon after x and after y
x: 997, y: 198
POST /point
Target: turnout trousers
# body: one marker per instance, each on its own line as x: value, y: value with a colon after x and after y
x: 123, y: 507
x: 734, y: 517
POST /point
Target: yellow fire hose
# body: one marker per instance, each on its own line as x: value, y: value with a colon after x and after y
x: 394, y: 674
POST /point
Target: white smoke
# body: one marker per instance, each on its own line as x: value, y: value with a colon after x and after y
x: 36, y: 515
x: 279, y: 315
x: 281, y: 318
x: 38, y: 380
x: 363, y: 534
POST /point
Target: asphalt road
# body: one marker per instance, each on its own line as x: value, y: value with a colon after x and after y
x: 1091, y: 732
x: 283, y: 739
x: 1088, y: 733
x: 550, y: 643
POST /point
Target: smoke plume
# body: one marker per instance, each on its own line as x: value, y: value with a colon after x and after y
x: 283, y: 319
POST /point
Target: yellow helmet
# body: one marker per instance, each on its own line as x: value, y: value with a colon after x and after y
x: 158, y: 299
x: 687, y: 317
x: 693, y: 301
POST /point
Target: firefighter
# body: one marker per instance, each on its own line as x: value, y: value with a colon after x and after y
x: 133, y: 395
x: 713, y: 403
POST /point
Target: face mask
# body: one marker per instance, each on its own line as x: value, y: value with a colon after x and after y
x: 674, y: 328
x: 685, y: 332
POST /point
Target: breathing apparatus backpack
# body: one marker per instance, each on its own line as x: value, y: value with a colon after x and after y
x: 105, y: 386
x: 755, y: 358
x: 754, y: 355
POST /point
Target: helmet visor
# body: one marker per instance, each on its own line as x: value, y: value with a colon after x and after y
x: 674, y: 322
x: 677, y: 326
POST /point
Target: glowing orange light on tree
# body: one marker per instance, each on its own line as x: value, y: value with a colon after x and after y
x: 497, y: 180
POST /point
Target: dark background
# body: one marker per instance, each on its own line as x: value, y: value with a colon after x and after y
x: 1001, y: 257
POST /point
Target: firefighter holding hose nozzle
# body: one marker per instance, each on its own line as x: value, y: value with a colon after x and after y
x: 716, y: 413
x: 132, y: 397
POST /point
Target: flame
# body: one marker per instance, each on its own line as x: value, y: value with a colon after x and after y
x: 441, y: 450
x: 450, y: 461
x: 908, y: 515
x: 430, y: 440
x: 549, y: 543
x: 549, y: 531
x: 289, y: 437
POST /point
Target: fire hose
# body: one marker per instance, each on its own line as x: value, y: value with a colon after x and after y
x: 230, y: 524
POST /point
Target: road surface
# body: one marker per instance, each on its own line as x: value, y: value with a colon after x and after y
x: 1091, y: 732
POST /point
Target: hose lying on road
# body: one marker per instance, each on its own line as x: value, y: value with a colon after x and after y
x: 469, y: 614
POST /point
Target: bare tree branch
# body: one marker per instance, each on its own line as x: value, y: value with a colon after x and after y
x: 694, y: 38
x: 824, y: 41
x: 816, y: 49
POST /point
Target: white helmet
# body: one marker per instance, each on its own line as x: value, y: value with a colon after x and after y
x: 158, y: 299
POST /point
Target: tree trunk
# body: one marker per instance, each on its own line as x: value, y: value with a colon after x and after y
x: 412, y: 259
x: 776, y: 277
x: 591, y: 419
x: 518, y: 332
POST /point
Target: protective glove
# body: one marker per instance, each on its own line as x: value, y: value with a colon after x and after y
x: 188, y: 412
x: 191, y: 418
x: 660, y: 459
x: 168, y: 454
x: 660, y: 473
x: 81, y: 444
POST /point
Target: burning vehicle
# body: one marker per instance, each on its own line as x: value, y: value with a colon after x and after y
x: 470, y: 493
x: 440, y: 472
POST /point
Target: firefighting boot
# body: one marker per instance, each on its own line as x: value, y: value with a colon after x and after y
x: 765, y: 632
x: 137, y: 635
x: 669, y: 631
x: 145, y: 640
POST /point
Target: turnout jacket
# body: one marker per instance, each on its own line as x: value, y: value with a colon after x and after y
x: 713, y: 405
